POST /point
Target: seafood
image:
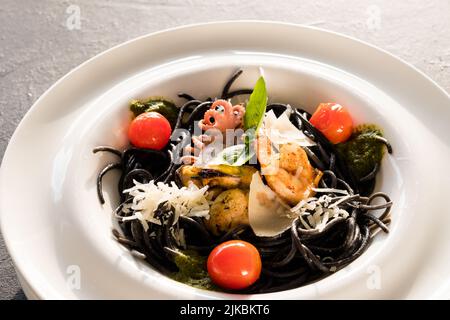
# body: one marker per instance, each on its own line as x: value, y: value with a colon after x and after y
x: 226, y: 177
x: 221, y: 116
x: 288, y: 173
x: 229, y: 210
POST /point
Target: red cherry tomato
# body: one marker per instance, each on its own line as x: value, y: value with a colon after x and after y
x: 334, y: 121
x: 149, y: 130
x: 234, y: 265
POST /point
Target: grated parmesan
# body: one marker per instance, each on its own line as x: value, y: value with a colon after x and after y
x: 315, y: 213
x: 186, y: 201
x: 281, y: 130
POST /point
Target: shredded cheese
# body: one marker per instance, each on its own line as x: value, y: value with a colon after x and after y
x: 330, y: 190
x: 267, y: 215
x: 316, y: 213
x: 186, y: 201
x: 281, y: 130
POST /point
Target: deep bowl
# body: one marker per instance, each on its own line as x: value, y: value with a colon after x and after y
x: 66, y: 233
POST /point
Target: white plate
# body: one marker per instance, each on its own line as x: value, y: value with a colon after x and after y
x: 55, y: 229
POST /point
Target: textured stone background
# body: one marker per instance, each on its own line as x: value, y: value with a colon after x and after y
x: 37, y: 48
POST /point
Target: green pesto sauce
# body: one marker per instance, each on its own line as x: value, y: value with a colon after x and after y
x: 192, y: 270
x: 155, y: 104
x: 362, y: 151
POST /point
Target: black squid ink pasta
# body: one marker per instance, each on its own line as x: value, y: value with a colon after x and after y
x: 332, y: 221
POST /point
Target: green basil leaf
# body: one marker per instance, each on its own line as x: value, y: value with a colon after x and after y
x: 256, y: 106
x: 236, y: 155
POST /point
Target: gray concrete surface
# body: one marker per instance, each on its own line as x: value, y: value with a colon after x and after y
x: 37, y: 47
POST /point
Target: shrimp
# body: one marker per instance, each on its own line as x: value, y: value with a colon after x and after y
x: 288, y: 173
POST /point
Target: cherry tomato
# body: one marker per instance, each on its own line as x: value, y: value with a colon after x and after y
x: 334, y: 121
x: 149, y: 130
x: 234, y: 265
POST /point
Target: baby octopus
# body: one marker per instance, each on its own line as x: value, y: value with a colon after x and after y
x: 221, y: 116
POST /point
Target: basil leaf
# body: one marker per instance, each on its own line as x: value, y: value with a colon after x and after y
x: 236, y: 155
x: 256, y: 106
